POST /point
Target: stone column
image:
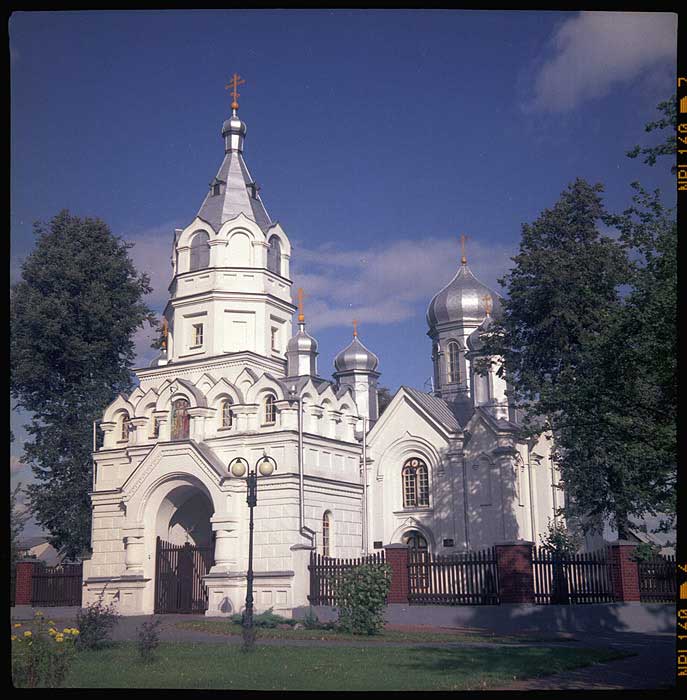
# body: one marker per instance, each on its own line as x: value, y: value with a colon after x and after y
x: 134, y: 549
x: 164, y: 428
x: 624, y: 572
x: 197, y: 427
x: 226, y: 543
x: 287, y: 414
x: 108, y: 434
x: 349, y: 428
x: 396, y: 556
x: 516, y: 574
x: 138, y: 435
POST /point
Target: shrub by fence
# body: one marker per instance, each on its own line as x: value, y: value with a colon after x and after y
x: 324, y: 570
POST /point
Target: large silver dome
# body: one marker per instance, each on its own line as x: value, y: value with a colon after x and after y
x: 356, y: 357
x: 461, y: 299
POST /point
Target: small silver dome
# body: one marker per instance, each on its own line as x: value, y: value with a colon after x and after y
x: 356, y: 357
x: 301, y: 342
x: 234, y: 126
x: 475, y: 342
x: 461, y: 299
x: 160, y: 360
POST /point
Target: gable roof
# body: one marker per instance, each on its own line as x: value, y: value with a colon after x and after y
x: 436, y: 407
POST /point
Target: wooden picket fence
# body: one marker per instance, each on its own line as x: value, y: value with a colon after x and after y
x: 57, y: 586
x: 657, y: 580
x: 324, y: 570
x: 572, y: 579
x: 469, y: 578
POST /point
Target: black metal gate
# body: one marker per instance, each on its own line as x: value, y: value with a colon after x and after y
x: 179, y: 571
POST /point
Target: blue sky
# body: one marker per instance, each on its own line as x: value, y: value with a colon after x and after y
x: 378, y: 137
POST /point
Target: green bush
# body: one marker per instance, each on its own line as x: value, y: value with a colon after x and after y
x: 267, y: 619
x: 95, y: 623
x: 148, y: 641
x: 361, y: 594
x: 41, y: 655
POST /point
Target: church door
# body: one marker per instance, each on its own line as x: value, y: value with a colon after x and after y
x: 179, y: 571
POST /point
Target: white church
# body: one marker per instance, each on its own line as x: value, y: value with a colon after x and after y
x: 444, y: 471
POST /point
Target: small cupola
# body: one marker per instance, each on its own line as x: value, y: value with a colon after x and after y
x: 301, y: 350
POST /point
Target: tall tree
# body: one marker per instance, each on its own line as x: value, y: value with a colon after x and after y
x: 595, y: 367
x: 73, y: 315
x: 18, y: 520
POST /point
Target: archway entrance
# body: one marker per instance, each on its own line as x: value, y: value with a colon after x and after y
x: 184, y: 551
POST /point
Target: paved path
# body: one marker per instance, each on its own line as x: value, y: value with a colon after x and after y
x: 653, y: 666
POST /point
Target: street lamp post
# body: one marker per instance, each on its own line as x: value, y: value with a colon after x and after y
x: 238, y: 467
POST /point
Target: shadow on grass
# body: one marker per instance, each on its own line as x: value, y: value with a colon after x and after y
x: 515, y: 663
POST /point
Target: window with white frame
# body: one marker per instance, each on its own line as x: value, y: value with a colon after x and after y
x: 415, y: 477
x: 197, y: 334
x: 453, y: 359
x: 270, y: 415
x: 326, y: 534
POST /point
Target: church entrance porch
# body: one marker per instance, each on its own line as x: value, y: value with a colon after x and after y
x: 184, y: 551
x: 179, y: 572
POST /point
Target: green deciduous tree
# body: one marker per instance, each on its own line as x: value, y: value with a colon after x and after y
x: 596, y: 367
x: 73, y: 315
x: 18, y: 519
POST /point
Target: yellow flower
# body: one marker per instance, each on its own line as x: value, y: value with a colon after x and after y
x: 75, y: 631
x: 59, y: 639
x: 66, y: 630
x: 14, y: 637
x: 52, y: 631
x: 17, y: 624
x: 27, y: 633
x: 38, y: 614
x: 51, y: 622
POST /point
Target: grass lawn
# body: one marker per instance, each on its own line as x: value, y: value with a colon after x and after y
x: 184, y: 665
x: 227, y: 628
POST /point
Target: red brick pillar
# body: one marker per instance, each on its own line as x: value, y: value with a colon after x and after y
x: 23, y: 592
x: 397, y: 557
x: 624, y: 572
x: 516, y: 576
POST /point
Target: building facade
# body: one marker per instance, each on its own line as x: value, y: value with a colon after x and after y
x: 444, y: 470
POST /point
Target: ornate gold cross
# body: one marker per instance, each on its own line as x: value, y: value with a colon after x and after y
x: 165, y: 330
x: 301, y: 316
x: 463, y: 259
x: 234, y: 83
x: 487, y: 303
x: 355, y: 328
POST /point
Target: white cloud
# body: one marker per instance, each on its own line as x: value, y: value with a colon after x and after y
x: 151, y: 253
x: 385, y: 284
x: 595, y: 51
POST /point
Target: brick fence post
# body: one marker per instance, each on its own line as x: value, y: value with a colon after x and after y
x: 23, y: 591
x: 624, y: 572
x: 516, y: 575
x: 396, y: 556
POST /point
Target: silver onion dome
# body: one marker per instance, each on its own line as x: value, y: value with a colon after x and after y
x: 356, y: 357
x: 302, y: 342
x: 463, y: 298
x: 160, y: 360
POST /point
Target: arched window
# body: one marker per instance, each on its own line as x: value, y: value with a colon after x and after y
x: 415, y: 483
x: 415, y: 539
x: 274, y: 255
x: 270, y: 410
x: 227, y: 414
x: 180, y: 419
x: 200, y: 251
x: 124, y: 427
x: 452, y: 360
x: 326, y: 534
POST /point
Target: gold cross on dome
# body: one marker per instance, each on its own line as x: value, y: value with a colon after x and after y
x: 301, y: 317
x: 487, y: 303
x: 463, y: 259
x: 234, y: 83
x: 355, y: 328
x: 165, y: 331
